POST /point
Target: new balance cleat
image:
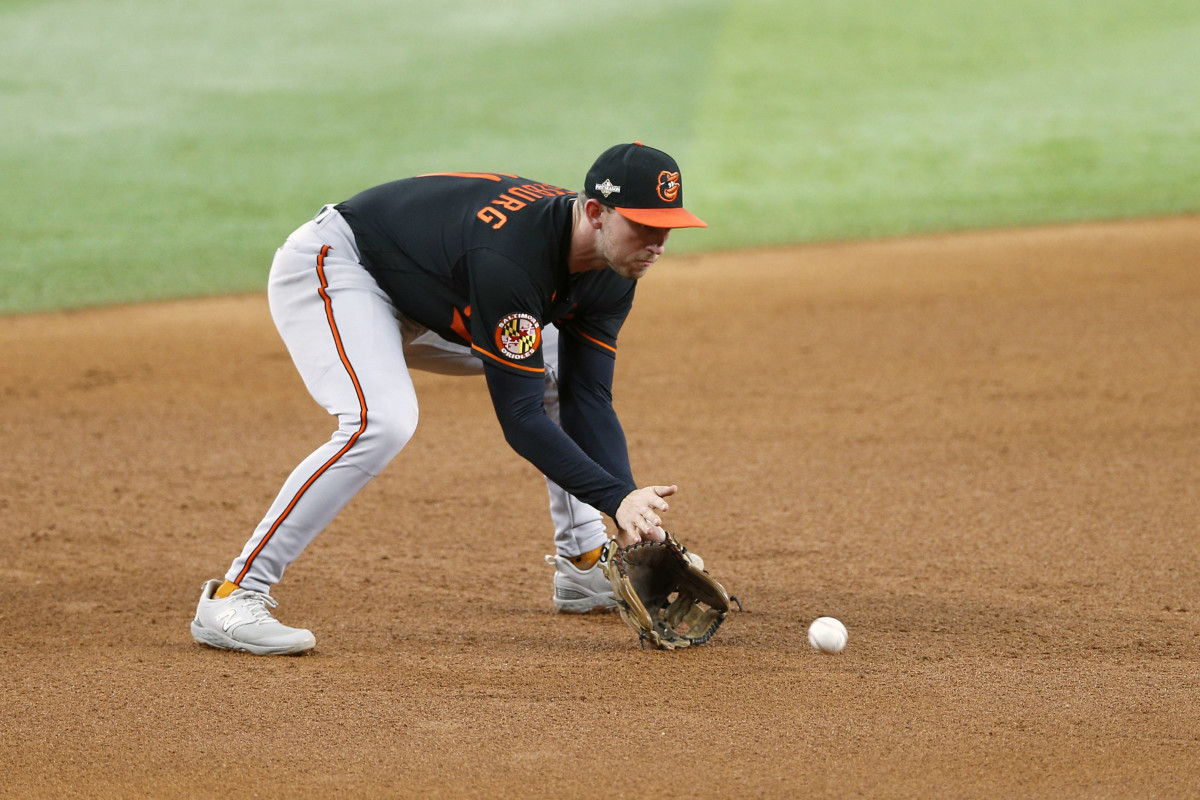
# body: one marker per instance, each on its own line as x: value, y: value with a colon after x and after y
x: 242, y: 621
x: 578, y: 591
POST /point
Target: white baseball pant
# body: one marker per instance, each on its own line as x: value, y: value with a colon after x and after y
x: 354, y: 350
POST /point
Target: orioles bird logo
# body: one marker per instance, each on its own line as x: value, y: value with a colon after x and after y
x: 668, y: 186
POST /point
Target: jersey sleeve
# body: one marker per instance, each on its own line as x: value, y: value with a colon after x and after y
x: 586, y: 406
x: 506, y: 315
x: 530, y: 432
x: 598, y: 318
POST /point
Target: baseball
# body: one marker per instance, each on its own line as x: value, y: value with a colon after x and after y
x: 828, y: 635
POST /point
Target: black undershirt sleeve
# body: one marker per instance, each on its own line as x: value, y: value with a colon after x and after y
x: 520, y: 408
x: 585, y: 398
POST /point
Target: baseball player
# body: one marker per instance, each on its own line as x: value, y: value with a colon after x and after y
x: 523, y: 282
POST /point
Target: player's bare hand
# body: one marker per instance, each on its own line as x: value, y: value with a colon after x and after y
x: 638, y: 515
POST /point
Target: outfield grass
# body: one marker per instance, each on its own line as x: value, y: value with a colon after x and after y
x: 156, y: 149
x: 892, y: 118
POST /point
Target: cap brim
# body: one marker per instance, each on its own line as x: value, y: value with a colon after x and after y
x: 663, y: 217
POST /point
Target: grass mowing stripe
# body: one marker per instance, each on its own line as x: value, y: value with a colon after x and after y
x: 153, y: 150
x: 164, y: 150
x: 897, y: 119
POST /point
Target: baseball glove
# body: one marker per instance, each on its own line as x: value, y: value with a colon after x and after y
x: 668, y: 599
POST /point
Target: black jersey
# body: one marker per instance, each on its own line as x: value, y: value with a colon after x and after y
x: 481, y: 259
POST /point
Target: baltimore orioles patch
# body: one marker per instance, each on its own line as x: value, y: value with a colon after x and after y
x: 518, y: 336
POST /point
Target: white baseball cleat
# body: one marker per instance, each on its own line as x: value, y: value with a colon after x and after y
x: 241, y: 621
x: 578, y: 591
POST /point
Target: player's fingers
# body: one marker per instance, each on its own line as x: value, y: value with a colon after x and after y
x: 644, y: 529
x: 641, y: 527
x: 638, y: 518
x: 625, y: 538
x: 656, y: 501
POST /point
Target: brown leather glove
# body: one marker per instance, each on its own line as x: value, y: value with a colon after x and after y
x: 668, y: 600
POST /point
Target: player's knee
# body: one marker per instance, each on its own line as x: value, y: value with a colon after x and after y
x: 383, y: 436
x: 391, y: 429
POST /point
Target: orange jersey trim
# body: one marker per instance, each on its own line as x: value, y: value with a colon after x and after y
x: 362, y: 412
x: 458, y: 326
x: 487, y: 176
x: 594, y: 340
x: 494, y: 357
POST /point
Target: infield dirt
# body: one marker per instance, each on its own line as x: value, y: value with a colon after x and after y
x: 981, y: 452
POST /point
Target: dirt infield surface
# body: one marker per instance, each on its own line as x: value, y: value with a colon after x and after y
x: 981, y: 452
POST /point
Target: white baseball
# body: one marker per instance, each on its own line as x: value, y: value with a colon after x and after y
x: 696, y: 560
x: 828, y: 635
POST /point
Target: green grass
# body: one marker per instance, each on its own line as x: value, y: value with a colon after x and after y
x: 901, y: 118
x: 153, y: 150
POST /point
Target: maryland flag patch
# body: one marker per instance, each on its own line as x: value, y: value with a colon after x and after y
x: 518, y: 336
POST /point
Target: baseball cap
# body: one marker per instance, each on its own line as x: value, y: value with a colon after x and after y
x: 642, y: 184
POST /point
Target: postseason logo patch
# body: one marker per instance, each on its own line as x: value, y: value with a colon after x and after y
x: 518, y: 336
x: 607, y: 188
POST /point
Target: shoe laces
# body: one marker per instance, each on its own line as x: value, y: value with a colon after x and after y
x: 256, y: 604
